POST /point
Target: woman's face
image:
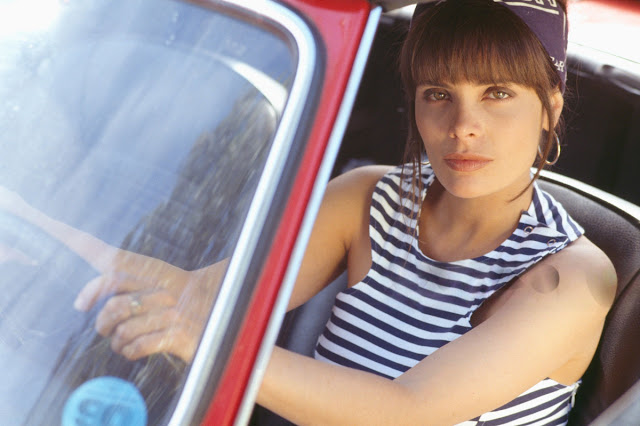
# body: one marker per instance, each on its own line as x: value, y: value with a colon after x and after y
x: 481, y: 139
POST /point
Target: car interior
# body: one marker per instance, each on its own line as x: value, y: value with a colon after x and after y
x: 600, y: 152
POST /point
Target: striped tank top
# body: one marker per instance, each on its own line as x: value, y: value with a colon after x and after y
x: 409, y: 305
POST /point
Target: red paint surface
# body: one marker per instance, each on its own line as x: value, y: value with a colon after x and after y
x: 340, y: 23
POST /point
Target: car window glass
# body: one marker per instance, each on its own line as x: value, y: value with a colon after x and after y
x: 145, y: 124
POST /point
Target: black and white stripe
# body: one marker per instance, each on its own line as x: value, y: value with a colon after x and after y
x: 409, y: 305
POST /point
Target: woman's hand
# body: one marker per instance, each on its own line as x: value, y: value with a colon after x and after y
x: 152, y: 306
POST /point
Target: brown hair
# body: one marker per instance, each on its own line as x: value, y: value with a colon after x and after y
x: 476, y: 41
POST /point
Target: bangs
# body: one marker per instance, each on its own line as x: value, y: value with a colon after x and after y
x: 462, y: 44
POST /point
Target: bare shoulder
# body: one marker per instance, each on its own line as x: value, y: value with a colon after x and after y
x: 582, y: 273
x: 348, y: 197
x: 346, y: 201
x: 339, y: 223
x: 358, y: 182
x: 586, y: 260
x: 583, y: 250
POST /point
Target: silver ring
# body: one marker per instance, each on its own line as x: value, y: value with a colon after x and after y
x: 135, y: 305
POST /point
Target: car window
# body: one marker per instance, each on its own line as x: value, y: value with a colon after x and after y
x: 146, y: 124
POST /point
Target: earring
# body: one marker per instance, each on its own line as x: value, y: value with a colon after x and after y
x: 555, y: 160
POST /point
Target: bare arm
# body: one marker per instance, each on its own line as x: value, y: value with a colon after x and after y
x: 93, y: 250
x: 152, y: 306
x: 343, y: 215
x: 155, y: 307
x: 531, y: 335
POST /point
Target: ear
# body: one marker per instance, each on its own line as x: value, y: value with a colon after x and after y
x: 557, y: 103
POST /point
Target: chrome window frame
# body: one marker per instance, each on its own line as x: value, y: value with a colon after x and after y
x: 317, y: 193
x: 277, y: 16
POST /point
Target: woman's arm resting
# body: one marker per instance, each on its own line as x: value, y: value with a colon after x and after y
x: 93, y: 250
x: 343, y: 218
x: 542, y: 325
x: 152, y: 305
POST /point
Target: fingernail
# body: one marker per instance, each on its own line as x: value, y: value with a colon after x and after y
x: 80, y: 304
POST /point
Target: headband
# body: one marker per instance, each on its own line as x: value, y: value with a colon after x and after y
x: 546, y: 19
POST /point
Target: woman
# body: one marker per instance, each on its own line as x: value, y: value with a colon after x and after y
x: 473, y: 296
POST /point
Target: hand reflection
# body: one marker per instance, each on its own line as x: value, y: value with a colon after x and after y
x: 151, y: 306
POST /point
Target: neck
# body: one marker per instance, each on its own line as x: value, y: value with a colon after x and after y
x: 452, y: 228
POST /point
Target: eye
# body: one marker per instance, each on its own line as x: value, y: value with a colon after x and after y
x: 436, y: 95
x: 499, y: 94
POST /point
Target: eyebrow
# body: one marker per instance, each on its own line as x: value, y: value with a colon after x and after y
x: 504, y: 83
x: 434, y: 83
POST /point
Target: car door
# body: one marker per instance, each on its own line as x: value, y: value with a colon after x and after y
x: 189, y: 133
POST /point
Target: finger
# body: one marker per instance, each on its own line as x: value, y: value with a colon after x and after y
x: 135, y: 327
x: 90, y: 293
x: 110, y: 283
x: 175, y: 340
x: 122, y: 307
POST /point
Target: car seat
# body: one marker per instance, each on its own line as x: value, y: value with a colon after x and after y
x: 613, y: 225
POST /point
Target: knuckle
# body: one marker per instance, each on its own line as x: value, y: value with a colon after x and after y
x: 166, y: 298
x: 121, y: 333
x: 113, y: 305
x: 103, y: 323
x: 172, y: 315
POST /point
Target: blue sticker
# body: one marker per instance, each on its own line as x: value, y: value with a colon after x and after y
x: 105, y: 401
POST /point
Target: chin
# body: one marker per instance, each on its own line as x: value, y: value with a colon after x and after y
x: 484, y: 182
x: 467, y: 187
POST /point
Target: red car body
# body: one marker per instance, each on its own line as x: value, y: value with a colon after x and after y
x: 341, y: 25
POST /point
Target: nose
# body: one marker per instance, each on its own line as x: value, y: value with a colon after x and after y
x: 465, y: 121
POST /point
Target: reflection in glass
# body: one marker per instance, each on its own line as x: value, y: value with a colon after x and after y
x: 146, y: 124
x: 26, y: 16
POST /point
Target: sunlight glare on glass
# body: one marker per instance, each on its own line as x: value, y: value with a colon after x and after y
x: 20, y: 16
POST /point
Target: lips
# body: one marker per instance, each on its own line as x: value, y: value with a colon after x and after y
x: 466, y: 162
